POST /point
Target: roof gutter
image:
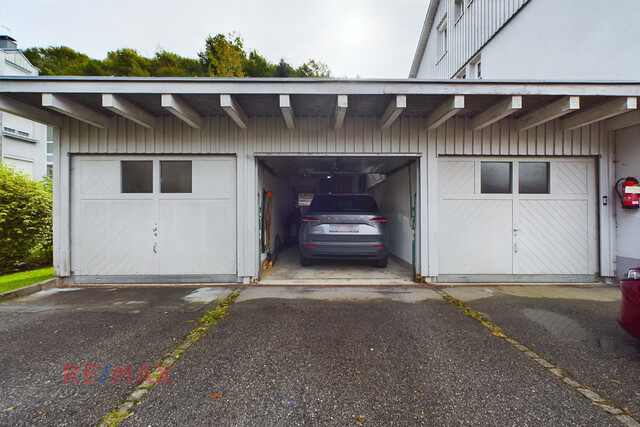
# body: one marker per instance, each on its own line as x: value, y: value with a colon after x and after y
x: 424, y: 37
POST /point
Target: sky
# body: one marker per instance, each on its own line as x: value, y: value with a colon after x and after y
x: 355, y: 38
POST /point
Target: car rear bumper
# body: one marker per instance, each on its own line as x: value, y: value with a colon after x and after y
x: 351, y: 250
x: 629, y: 317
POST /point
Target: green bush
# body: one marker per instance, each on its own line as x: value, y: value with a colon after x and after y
x: 26, y: 220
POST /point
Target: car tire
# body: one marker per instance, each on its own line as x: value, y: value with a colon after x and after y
x: 304, y: 261
x: 382, y: 262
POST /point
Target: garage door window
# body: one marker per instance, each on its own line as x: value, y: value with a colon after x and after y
x: 175, y: 176
x: 533, y: 178
x: 137, y: 176
x: 496, y: 178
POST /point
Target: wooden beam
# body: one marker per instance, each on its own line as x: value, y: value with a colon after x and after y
x: 128, y: 110
x: 394, y: 109
x: 287, y: 111
x: 73, y: 109
x: 445, y: 111
x: 341, y: 111
x: 234, y: 110
x: 506, y: 106
x: 624, y: 121
x: 613, y: 108
x: 28, y: 111
x: 176, y: 106
x: 556, y: 109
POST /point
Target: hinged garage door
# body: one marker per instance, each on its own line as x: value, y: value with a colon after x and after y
x: 153, y: 219
x: 529, y: 217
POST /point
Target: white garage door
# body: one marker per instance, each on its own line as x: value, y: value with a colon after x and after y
x: 153, y: 219
x: 524, y: 217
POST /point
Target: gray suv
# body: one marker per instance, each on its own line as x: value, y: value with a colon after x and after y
x: 344, y: 226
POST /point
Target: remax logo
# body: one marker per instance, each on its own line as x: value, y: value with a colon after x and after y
x: 89, y: 375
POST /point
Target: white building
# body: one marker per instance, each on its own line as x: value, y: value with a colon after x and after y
x: 550, y: 40
x: 23, y: 143
x: 569, y: 40
x: 483, y: 181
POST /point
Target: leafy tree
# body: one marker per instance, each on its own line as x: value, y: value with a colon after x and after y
x: 257, y: 66
x: 127, y: 62
x: 167, y: 64
x: 313, y: 68
x: 222, y: 57
x: 26, y: 218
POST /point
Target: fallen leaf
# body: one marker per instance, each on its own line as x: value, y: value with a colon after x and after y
x: 216, y: 395
x: 417, y: 415
x: 44, y: 414
x: 56, y: 331
x: 418, y: 392
x: 362, y: 417
x: 79, y: 308
x: 228, y: 341
x: 10, y: 409
x: 617, y: 382
x: 434, y: 412
x: 111, y: 327
x: 357, y: 372
x: 298, y: 338
x: 357, y: 421
x: 65, y: 372
x: 234, y: 416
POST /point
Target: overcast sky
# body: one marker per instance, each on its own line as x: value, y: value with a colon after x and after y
x: 355, y: 38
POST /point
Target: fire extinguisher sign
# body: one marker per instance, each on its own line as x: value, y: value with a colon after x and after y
x: 632, y: 190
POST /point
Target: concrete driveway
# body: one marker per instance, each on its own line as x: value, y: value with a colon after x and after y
x: 322, y: 356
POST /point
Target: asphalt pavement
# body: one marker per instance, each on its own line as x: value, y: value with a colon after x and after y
x: 316, y: 356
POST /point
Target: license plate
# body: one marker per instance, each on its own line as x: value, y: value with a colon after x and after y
x: 343, y: 228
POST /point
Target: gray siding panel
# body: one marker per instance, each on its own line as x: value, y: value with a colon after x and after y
x: 316, y: 135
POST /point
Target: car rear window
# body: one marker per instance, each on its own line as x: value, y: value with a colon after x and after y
x: 343, y: 203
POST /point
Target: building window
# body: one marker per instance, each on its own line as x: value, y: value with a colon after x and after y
x: 462, y: 74
x: 49, y: 171
x: 442, y: 37
x: 475, y: 67
x: 458, y: 9
x: 479, y: 70
x: 137, y: 176
x: 175, y: 176
x: 495, y: 178
x: 533, y: 178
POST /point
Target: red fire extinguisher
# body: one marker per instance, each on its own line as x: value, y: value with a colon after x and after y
x: 630, y: 193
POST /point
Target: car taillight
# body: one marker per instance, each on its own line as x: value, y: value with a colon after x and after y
x: 306, y: 219
x: 381, y: 220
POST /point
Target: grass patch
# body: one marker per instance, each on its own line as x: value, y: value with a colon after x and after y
x: 219, y: 313
x: 13, y: 281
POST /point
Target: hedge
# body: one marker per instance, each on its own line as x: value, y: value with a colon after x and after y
x: 26, y: 220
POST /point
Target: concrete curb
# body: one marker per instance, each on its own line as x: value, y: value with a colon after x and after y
x: 31, y: 289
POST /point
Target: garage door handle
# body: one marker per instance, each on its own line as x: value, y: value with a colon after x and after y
x: 515, y: 249
x: 155, y: 245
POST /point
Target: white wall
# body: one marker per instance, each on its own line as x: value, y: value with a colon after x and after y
x: 567, y: 40
x: 393, y: 199
x: 628, y: 220
x: 280, y: 204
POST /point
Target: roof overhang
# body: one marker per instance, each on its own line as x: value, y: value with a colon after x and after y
x: 96, y: 100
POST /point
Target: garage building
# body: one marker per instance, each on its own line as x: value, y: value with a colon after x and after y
x: 196, y: 180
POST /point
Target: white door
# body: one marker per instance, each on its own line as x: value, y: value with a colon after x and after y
x: 130, y: 219
x: 521, y: 216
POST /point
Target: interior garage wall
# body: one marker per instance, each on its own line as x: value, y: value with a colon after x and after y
x: 627, y: 220
x: 393, y: 197
x: 280, y: 203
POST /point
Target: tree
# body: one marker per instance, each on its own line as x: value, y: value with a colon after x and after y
x: 313, y: 68
x: 167, y: 64
x: 222, y: 57
x: 26, y: 218
x: 127, y: 62
x: 284, y: 70
x: 257, y: 66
